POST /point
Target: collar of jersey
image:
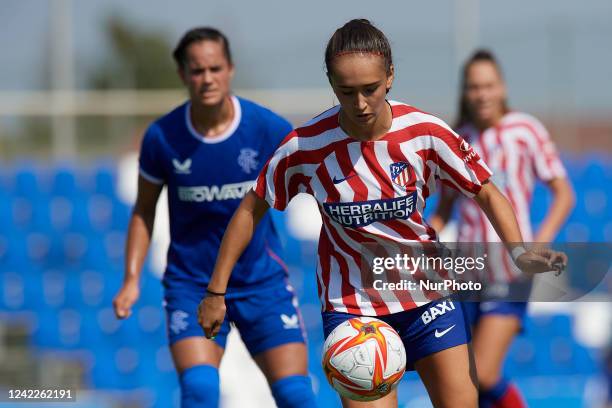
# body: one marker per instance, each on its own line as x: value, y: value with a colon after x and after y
x: 382, y: 139
x: 223, y: 136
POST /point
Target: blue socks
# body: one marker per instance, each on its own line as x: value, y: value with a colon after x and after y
x: 488, y: 397
x: 294, y: 392
x: 199, y: 387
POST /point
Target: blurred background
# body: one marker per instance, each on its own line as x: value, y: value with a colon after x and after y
x: 79, y: 82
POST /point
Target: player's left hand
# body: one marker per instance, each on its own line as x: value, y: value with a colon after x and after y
x: 211, y: 313
x: 541, y: 259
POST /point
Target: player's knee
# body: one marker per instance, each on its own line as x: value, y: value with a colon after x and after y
x: 467, y: 399
x: 200, y: 387
x: 487, y: 377
x: 294, y: 392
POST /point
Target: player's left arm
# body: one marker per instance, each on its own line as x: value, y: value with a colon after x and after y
x: 562, y: 205
x: 501, y: 215
x: 238, y: 234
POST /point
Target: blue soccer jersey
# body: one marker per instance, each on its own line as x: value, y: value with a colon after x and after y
x: 206, y: 179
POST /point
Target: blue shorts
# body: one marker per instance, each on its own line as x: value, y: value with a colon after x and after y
x: 265, y: 319
x: 425, y: 330
x: 476, y: 310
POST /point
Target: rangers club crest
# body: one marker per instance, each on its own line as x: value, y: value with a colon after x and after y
x: 402, y: 174
x: 248, y: 160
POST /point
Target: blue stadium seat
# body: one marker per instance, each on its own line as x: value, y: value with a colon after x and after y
x: 104, y: 373
x: 539, y: 204
x: 13, y: 250
x: 121, y: 215
x: 60, y: 213
x: 521, y: 357
x: 92, y: 289
x: 70, y: 329
x: 26, y: 181
x: 100, y: 212
x: 104, y: 181
x: 596, y: 171
x: 22, y: 213
x: 74, y: 248
x: 542, y: 326
x: 54, y: 284
x: 43, y: 248
x: 151, y: 322
x: 46, y: 333
x: 555, y: 355
x: 95, y: 255
x: 12, y: 291
x: 6, y: 212
x: 64, y: 182
x: 114, y: 245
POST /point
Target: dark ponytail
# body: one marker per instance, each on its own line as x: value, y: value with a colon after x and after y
x: 480, y: 55
x: 358, y: 36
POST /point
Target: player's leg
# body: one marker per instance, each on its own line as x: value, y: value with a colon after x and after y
x: 271, y: 328
x: 450, y: 378
x: 286, y: 370
x: 197, y: 362
x: 196, y: 358
x: 388, y: 401
x: 436, y: 337
x: 493, y: 335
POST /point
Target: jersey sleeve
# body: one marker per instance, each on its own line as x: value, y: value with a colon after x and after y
x: 544, y: 156
x: 149, y: 161
x: 282, y: 177
x: 458, y: 164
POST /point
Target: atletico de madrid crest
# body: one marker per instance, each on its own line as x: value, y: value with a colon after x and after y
x: 402, y: 174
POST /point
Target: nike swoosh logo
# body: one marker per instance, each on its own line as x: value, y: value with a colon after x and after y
x: 442, y: 333
x: 338, y: 181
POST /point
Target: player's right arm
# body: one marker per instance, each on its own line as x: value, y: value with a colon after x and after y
x: 238, y: 234
x: 140, y: 230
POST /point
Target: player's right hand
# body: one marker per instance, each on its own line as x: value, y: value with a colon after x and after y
x: 125, y: 299
x: 211, y: 314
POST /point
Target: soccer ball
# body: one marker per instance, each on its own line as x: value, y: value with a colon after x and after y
x: 364, y: 358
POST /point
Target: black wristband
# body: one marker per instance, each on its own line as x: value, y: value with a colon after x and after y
x: 210, y: 292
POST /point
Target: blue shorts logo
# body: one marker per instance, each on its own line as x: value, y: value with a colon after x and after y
x: 178, y: 321
x: 362, y: 213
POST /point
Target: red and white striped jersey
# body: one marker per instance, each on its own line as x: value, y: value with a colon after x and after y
x: 368, y: 192
x: 518, y: 151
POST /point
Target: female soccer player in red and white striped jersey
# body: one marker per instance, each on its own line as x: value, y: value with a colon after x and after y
x: 518, y: 150
x: 370, y: 163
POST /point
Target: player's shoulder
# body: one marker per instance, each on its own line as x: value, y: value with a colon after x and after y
x: 413, y: 121
x: 174, y: 119
x: 255, y: 111
x: 400, y: 108
x: 175, y: 116
x: 517, y: 118
x: 322, y: 122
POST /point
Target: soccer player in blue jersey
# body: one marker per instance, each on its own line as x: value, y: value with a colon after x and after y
x: 208, y: 152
